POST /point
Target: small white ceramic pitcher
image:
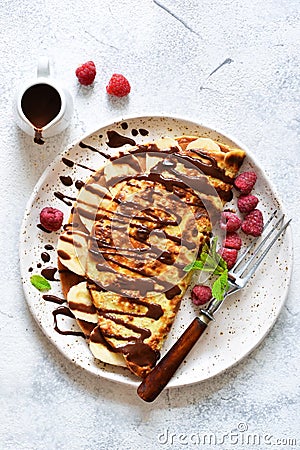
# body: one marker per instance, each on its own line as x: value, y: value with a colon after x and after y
x: 43, y: 108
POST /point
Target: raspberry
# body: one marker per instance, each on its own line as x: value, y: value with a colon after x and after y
x: 118, y: 85
x: 253, y: 223
x: 230, y: 221
x: 201, y: 294
x: 229, y: 255
x: 247, y: 203
x: 245, y: 182
x: 86, y: 73
x: 232, y: 240
x: 51, y: 218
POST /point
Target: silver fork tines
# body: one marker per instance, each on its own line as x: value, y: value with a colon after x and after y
x: 246, y: 265
x: 240, y: 272
x: 247, y: 250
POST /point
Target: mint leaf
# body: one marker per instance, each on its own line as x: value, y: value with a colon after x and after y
x: 39, y: 282
x: 220, y: 286
x: 196, y: 265
x: 222, y: 263
x: 209, y: 260
x: 206, y: 264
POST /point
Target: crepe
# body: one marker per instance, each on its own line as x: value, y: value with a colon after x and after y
x: 135, y: 225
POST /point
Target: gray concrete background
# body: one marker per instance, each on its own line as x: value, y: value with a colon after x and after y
x: 171, y: 53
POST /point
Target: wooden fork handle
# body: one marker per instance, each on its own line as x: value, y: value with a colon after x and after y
x: 159, y: 377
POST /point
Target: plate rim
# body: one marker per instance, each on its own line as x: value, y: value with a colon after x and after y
x: 112, y: 123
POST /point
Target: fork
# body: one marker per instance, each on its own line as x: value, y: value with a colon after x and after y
x: 244, y: 268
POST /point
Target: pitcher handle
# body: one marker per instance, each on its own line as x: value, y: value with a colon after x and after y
x: 43, y: 68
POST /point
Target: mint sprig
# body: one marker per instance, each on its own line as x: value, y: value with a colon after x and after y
x: 211, y: 261
x: 220, y: 286
x: 40, y: 282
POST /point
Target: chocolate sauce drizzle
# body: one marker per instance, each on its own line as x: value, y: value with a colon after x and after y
x: 204, y: 162
x: 93, y: 149
x: 40, y: 226
x: 70, y: 163
x: 38, y: 137
x: 45, y: 257
x: 66, y: 180
x: 65, y: 311
x: 49, y: 273
x: 64, y: 198
x: 63, y: 255
x: 116, y: 140
x: 79, y: 184
x: 54, y: 299
x: 143, y: 132
x: 153, y: 311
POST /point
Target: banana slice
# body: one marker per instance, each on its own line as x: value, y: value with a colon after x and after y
x: 166, y: 143
x: 88, y: 202
x: 71, y: 250
x: 123, y: 167
x: 102, y: 353
x: 80, y: 303
x: 205, y: 144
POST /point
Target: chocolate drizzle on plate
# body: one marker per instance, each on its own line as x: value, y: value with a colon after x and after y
x: 65, y: 311
x: 64, y: 198
x: 40, y: 226
x: 53, y: 299
x: 49, y: 273
x: 143, y: 132
x: 116, y: 140
x: 66, y: 180
x: 69, y: 163
x: 79, y: 184
x: 49, y: 247
x: 45, y: 257
x: 93, y: 149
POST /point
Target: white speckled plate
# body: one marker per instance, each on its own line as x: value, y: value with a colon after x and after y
x: 240, y: 326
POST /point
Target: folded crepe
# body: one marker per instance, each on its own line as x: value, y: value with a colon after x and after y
x: 136, y: 224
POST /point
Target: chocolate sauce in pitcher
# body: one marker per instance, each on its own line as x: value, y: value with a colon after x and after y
x: 40, y: 103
